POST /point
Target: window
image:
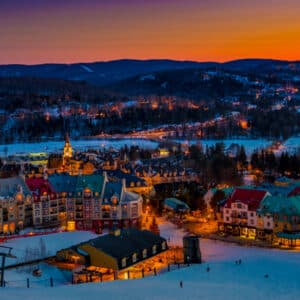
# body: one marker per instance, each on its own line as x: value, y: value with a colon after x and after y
x: 239, y: 205
x: 154, y: 249
x: 124, y: 262
x: 134, y: 210
x: 163, y: 246
x: 144, y: 253
x: 134, y: 258
x: 251, y: 214
x: 268, y: 224
x: 251, y: 221
x: 227, y: 219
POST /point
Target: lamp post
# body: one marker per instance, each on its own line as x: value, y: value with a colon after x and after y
x: 4, y: 255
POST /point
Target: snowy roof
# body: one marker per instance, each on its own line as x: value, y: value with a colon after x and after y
x: 10, y: 186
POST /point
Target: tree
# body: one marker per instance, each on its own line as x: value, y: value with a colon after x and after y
x: 216, y: 198
x: 242, y: 157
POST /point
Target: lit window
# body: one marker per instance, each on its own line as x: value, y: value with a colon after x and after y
x: 163, y: 245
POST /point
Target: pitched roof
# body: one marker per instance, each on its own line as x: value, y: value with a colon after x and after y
x: 176, y: 204
x: 94, y: 182
x: 70, y: 184
x: 10, y: 186
x: 251, y: 197
x: 118, y: 174
x: 39, y: 186
x: 294, y: 192
x: 129, y: 241
x: 288, y: 206
x: 63, y: 183
x: 112, y: 188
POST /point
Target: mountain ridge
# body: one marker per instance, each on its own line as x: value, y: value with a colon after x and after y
x: 106, y: 72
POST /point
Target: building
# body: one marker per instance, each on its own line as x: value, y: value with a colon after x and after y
x: 49, y: 207
x: 175, y: 205
x: 115, y: 251
x: 68, y: 151
x: 15, y: 205
x: 93, y: 202
x: 279, y: 220
x: 240, y: 212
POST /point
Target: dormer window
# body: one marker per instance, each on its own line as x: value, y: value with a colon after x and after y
x: 154, y: 249
x: 134, y: 257
x: 19, y: 197
x: 145, y: 253
x: 114, y: 200
x: 124, y: 262
x: 87, y: 193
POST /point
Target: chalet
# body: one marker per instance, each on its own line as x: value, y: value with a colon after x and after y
x: 115, y: 251
x: 239, y: 213
x: 281, y: 219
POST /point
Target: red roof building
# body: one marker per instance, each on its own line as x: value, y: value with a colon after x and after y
x: 240, y: 210
x: 40, y: 187
x: 249, y: 197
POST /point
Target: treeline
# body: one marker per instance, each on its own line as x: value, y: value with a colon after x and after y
x: 279, y: 124
x: 215, y: 166
x: 285, y: 164
x: 181, y: 83
x: 31, y: 93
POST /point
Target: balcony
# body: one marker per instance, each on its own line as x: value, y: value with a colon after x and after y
x: 238, y: 216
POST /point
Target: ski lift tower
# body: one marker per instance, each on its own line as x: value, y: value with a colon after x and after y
x: 6, y: 253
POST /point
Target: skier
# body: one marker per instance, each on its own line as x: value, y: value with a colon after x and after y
x: 207, y: 269
x: 181, y: 284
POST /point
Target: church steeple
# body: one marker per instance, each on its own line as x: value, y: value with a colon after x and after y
x: 68, y: 151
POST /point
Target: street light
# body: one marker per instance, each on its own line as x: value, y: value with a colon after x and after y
x: 4, y: 255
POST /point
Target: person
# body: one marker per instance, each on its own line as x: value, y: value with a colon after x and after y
x: 266, y: 276
x: 207, y: 269
x: 181, y: 284
x: 240, y: 261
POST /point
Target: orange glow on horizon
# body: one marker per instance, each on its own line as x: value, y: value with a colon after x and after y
x: 194, y: 30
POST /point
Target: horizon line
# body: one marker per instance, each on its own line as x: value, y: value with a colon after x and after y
x: 150, y: 59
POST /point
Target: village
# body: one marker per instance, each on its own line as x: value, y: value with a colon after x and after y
x: 124, y: 199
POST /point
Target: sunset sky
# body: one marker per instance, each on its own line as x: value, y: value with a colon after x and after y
x: 39, y: 31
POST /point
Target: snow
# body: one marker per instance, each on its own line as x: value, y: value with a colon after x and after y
x: 291, y: 145
x: 225, y: 280
x: 147, y: 77
x: 53, y: 243
x: 55, y: 146
x: 249, y: 144
x: 86, y: 68
x: 18, y: 277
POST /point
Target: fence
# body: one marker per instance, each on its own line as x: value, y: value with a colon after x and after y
x: 92, y: 276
